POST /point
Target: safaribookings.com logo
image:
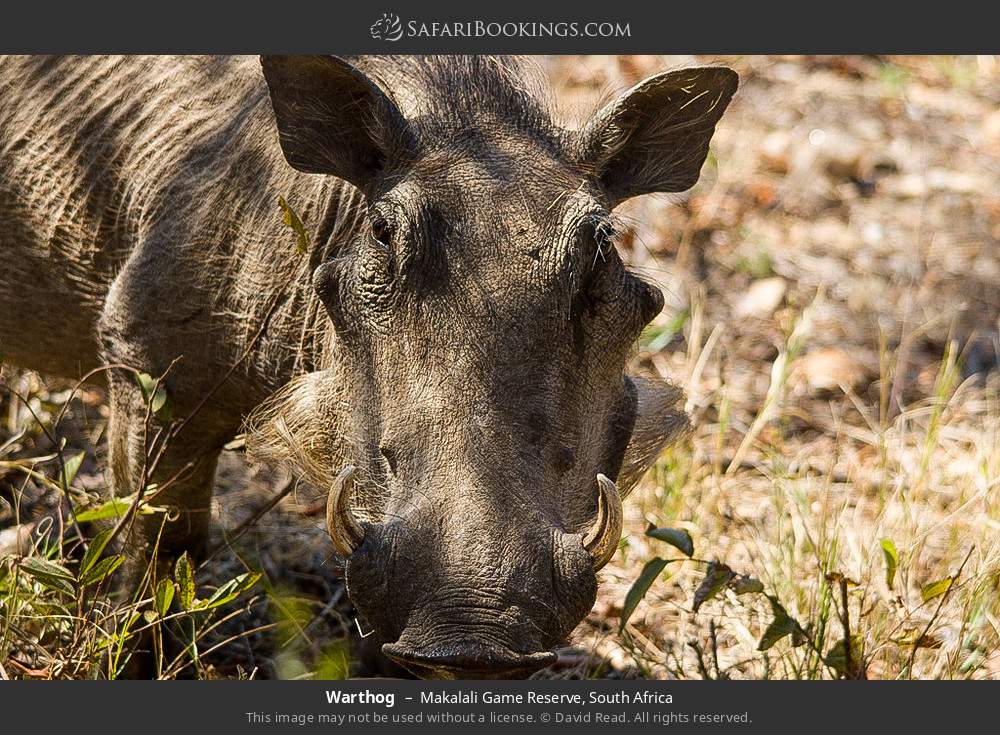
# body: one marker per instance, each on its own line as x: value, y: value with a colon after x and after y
x: 387, y: 28
x: 390, y: 28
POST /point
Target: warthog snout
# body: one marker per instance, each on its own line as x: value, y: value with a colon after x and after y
x: 456, y: 593
x: 467, y: 660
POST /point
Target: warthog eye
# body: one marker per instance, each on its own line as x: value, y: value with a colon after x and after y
x: 604, y: 238
x: 380, y: 229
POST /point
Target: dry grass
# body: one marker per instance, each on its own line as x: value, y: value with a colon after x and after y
x: 840, y: 268
x: 795, y: 512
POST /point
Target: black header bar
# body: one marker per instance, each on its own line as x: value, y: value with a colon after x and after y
x: 723, y: 27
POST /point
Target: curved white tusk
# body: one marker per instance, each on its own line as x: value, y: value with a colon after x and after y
x: 602, y: 539
x: 344, y: 529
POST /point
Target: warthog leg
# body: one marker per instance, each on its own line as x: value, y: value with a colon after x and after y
x: 179, y: 487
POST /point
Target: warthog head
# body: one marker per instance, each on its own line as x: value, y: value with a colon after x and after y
x: 477, y: 428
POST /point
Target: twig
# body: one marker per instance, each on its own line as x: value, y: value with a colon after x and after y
x: 285, y: 489
x: 715, y: 649
x: 63, y: 485
x: 937, y: 611
x: 693, y: 644
x: 845, y: 620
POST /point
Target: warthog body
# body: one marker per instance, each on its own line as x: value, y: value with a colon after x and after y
x: 457, y: 327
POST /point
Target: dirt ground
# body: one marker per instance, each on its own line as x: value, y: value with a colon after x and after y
x: 833, y: 303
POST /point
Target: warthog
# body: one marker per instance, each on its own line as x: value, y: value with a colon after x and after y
x: 446, y: 355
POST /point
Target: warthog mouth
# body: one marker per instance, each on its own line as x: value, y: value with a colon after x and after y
x: 467, y: 662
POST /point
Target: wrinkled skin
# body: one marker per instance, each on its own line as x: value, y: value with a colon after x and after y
x: 457, y: 331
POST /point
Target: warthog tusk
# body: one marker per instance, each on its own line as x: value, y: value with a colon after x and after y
x: 344, y: 529
x: 602, y: 539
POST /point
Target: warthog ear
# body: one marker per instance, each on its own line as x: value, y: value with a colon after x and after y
x: 655, y: 137
x: 659, y: 421
x: 332, y: 119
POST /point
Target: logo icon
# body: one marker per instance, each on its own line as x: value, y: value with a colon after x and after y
x: 387, y: 28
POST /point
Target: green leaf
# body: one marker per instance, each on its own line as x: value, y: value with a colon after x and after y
x: 184, y: 575
x: 247, y: 580
x: 836, y: 657
x: 640, y: 587
x: 292, y: 220
x: 225, y: 593
x: 70, y: 467
x: 52, y: 575
x: 156, y: 397
x: 163, y: 597
x: 918, y: 639
x: 717, y: 576
x: 744, y: 584
x: 891, y: 557
x: 334, y: 664
x: 676, y: 537
x: 162, y: 406
x: 147, y: 385
x: 782, y: 625
x: 655, y: 338
x: 123, y: 635
x: 113, y: 508
x: 229, y: 591
x: 936, y: 589
x: 95, y: 550
x: 102, y: 570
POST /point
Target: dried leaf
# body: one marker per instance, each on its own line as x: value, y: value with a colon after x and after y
x: 744, y: 584
x: 799, y: 637
x: 717, y: 576
x: 782, y: 625
x: 837, y: 578
x: 836, y: 657
x: 918, y: 639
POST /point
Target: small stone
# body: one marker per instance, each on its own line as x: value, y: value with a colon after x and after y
x: 761, y: 298
x: 16, y: 540
x: 841, y: 155
x: 774, y: 151
x: 829, y: 368
x: 873, y: 233
x: 956, y: 181
x: 907, y: 186
x: 991, y: 129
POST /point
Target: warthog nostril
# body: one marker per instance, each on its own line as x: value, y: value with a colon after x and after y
x: 389, y: 454
x: 467, y: 662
